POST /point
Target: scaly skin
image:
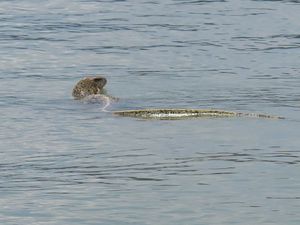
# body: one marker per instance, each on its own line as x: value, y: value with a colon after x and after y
x: 91, y: 88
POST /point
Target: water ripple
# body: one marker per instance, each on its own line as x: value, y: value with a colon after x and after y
x: 59, y: 157
x: 273, y: 42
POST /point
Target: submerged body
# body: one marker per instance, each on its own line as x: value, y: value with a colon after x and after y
x: 92, y: 90
x: 173, y: 114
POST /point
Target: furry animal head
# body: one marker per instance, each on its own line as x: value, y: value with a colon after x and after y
x: 89, y: 86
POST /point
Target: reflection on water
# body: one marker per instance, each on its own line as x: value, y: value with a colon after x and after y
x: 66, y: 162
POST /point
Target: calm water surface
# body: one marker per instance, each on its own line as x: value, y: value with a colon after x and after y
x: 64, y: 162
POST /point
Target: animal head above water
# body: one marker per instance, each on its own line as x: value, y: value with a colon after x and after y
x: 90, y: 85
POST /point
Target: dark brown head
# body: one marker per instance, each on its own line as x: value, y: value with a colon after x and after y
x: 89, y: 86
x: 100, y: 81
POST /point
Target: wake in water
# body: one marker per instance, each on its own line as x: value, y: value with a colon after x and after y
x: 99, y: 98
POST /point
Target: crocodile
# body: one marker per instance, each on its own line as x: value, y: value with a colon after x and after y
x: 91, y: 88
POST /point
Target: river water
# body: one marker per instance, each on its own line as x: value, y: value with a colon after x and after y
x: 66, y: 162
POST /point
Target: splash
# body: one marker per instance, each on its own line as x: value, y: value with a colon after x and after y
x: 106, y: 103
x: 99, y: 98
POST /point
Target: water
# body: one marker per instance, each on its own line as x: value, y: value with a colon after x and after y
x: 66, y: 162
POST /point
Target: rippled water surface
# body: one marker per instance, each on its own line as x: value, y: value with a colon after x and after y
x: 66, y: 162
